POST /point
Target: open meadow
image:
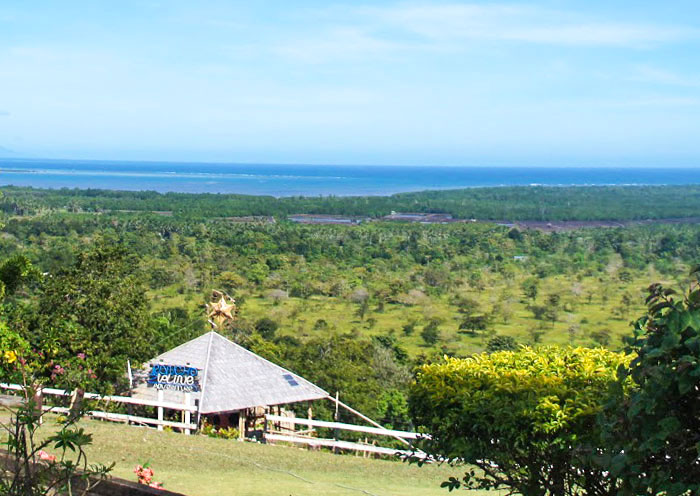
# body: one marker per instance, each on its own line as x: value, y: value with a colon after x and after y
x: 590, y: 312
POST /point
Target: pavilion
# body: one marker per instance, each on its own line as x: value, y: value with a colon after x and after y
x: 230, y: 385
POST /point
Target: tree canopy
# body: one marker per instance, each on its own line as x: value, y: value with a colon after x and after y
x: 92, y: 314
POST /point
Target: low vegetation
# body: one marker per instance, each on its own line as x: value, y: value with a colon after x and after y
x: 537, y: 203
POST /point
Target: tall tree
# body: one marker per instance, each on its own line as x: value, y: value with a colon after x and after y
x: 653, y: 428
x: 94, y: 314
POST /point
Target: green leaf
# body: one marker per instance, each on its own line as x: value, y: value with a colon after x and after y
x: 668, y: 426
x: 617, y: 464
x: 694, y: 316
x: 684, y: 321
x: 695, y: 270
x: 686, y: 382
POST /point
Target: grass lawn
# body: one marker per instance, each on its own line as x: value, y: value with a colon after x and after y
x: 202, y: 466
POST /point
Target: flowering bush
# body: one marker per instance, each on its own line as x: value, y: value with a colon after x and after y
x: 13, y: 348
x: 29, y: 470
x: 71, y: 373
x: 26, y: 447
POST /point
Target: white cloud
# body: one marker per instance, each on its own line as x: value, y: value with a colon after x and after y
x: 355, y: 33
x: 346, y: 42
x: 660, y: 101
x: 525, y: 24
x: 652, y: 74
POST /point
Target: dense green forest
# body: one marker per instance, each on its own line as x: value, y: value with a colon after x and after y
x: 327, y: 300
x: 500, y: 203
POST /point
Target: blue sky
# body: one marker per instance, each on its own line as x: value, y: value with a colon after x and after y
x: 477, y: 83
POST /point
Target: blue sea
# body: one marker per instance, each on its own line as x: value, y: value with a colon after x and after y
x: 311, y: 180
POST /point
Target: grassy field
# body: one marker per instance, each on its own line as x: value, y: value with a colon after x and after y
x: 587, y: 306
x: 202, y: 466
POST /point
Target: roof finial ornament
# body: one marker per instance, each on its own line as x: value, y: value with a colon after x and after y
x: 220, y: 310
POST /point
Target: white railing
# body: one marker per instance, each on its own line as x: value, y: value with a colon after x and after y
x: 334, y: 443
x: 186, y: 407
x: 299, y: 438
x: 347, y: 427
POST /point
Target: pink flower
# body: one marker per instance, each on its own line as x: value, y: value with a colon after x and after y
x: 157, y: 485
x: 144, y: 474
x: 81, y: 356
x: 43, y: 455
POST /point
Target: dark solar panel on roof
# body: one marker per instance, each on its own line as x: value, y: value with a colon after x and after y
x: 290, y: 379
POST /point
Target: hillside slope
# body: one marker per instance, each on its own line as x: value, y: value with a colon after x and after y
x: 202, y: 466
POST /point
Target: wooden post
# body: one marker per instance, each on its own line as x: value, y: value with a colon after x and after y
x: 310, y: 413
x: 264, y: 439
x: 38, y: 404
x: 76, y: 403
x: 335, y: 417
x: 187, y: 415
x: 160, y: 409
x: 241, y: 424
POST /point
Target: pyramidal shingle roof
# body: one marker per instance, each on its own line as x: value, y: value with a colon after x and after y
x: 231, y: 378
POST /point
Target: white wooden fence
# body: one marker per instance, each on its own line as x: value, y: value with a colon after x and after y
x: 270, y: 435
x: 187, y: 408
x: 299, y: 438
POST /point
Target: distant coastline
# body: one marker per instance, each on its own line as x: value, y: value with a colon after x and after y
x: 314, y: 180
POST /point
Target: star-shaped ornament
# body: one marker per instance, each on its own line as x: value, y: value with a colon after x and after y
x: 222, y: 310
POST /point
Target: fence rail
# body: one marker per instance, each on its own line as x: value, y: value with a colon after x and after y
x: 347, y: 427
x: 300, y: 438
x: 187, y: 426
x: 187, y: 408
x: 333, y: 443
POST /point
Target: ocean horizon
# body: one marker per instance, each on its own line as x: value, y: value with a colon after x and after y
x: 281, y: 180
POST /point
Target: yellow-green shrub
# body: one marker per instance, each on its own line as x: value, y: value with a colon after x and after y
x: 526, y: 418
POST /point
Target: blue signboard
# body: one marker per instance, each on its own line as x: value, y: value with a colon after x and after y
x: 174, y: 377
